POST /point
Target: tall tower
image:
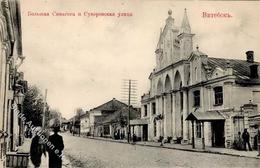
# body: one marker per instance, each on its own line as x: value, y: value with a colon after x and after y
x: 185, y: 37
x: 166, y: 52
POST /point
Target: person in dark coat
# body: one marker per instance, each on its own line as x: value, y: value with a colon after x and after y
x: 246, y: 140
x: 36, y: 151
x: 55, y: 154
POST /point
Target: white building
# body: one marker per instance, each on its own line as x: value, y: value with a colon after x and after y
x: 85, y: 124
x: 211, y: 91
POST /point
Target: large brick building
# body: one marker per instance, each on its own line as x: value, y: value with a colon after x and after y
x: 218, y: 95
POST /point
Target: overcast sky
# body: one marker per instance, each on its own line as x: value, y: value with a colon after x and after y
x: 82, y: 60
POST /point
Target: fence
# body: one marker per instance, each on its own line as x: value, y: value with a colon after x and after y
x: 14, y: 159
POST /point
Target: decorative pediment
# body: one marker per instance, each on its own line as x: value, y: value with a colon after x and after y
x: 217, y: 72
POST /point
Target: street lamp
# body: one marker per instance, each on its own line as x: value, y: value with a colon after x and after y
x: 19, y: 97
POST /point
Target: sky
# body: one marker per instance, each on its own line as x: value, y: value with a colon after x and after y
x: 82, y: 60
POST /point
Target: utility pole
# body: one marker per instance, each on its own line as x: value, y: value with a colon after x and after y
x: 129, y: 100
x: 44, y: 109
x: 129, y: 95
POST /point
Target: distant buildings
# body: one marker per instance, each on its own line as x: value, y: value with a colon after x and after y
x: 12, y: 84
x: 107, y: 120
x: 84, y: 124
x: 195, y: 96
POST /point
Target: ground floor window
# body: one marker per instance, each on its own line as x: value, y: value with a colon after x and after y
x: 198, y: 129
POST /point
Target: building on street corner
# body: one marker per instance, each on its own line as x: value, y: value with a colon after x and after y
x: 110, y: 119
x: 12, y: 83
x: 196, y: 97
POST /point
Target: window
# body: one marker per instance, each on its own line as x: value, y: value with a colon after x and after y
x: 196, y: 95
x: 145, y: 110
x: 198, y: 129
x: 153, y: 108
x: 218, y: 91
x: 196, y: 74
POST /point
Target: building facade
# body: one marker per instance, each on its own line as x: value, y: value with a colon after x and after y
x: 12, y: 84
x: 187, y: 82
x: 84, y: 124
x: 110, y: 119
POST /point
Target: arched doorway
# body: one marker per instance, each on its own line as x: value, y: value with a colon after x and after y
x: 179, y: 104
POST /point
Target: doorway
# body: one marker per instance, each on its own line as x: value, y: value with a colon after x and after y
x: 145, y: 132
x: 218, y: 134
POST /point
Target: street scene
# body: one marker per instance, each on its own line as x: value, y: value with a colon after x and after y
x: 98, y: 154
x: 129, y: 84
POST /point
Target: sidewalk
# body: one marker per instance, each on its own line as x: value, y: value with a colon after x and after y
x: 44, y: 164
x: 213, y: 150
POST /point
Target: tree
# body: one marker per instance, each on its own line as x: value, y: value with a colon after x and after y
x: 33, y: 105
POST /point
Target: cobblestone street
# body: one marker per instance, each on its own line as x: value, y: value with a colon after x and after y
x: 84, y: 152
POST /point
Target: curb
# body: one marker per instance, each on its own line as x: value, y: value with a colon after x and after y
x: 174, y: 148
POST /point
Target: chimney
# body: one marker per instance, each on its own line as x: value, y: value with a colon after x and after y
x: 250, y: 56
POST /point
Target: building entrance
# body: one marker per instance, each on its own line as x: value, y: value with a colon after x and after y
x: 218, y: 136
x: 145, y: 132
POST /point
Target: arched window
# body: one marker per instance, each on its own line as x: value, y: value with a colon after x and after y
x: 196, y: 74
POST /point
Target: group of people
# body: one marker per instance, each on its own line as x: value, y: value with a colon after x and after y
x: 39, y: 148
x: 244, y: 141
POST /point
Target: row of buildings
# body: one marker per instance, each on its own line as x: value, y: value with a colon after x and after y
x: 12, y: 83
x: 108, y: 120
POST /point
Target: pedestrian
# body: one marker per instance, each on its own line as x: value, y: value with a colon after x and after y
x: 239, y: 142
x: 134, y: 139
x: 37, y: 149
x: 55, y: 154
x: 246, y: 138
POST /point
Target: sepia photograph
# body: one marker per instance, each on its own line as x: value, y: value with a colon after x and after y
x: 129, y: 84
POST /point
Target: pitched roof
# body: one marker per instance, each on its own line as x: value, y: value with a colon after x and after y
x: 123, y: 112
x: 111, y: 105
x: 240, y: 67
x: 85, y: 114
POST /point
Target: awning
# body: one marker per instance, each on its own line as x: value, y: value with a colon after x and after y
x: 205, y: 116
x: 139, y: 122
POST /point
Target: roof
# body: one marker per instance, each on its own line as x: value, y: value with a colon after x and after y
x: 121, y: 113
x: 111, y: 105
x: 240, y: 67
x: 205, y: 116
x: 139, y: 122
x: 85, y: 114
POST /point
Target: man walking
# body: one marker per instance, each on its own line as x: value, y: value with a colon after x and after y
x: 246, y: 138
x: 55, y: 155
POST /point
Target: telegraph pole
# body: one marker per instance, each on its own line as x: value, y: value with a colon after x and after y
x: 129, y: 95
x: 44, y: 109
x: 128, y: 120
